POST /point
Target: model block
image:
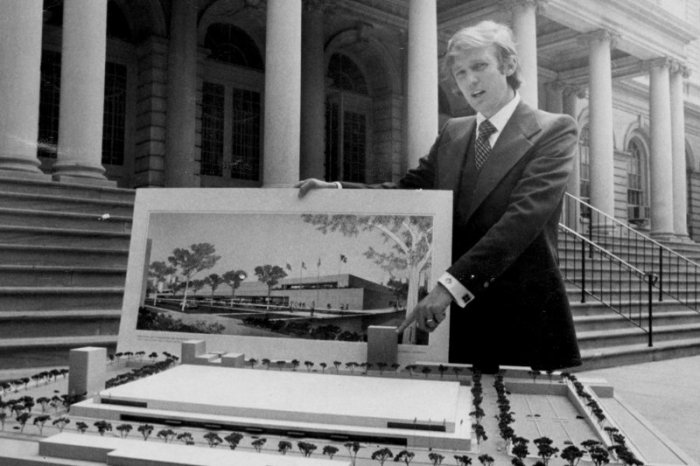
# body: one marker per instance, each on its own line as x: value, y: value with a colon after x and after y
x: 382, y: 345
x: 191, y: 349
x: 88, y: 372
x: 233, y: 360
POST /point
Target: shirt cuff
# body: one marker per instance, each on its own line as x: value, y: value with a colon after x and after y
x: 338, y: 185
x: 460, y: 294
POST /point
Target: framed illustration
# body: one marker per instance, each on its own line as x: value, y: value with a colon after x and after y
x: 265, y: 273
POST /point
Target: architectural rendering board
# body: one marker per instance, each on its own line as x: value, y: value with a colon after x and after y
x: 276, y: 276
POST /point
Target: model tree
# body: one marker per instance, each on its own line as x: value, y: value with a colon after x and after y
x: 306, y: 448
x: 233, y: 439
x: 81, y: 427
x: 330, y: 451
x: 486, y: 460
x: 323, y: 366
x: 572, y: 454
x: 102, y: 427
x: 61, y: 423
x: 40, y: 420
x: 284, y: 446
x: 382, y: 455
x: 270, y: 275
x: 124, y: 430
x: 309, y: 365
x: 463, y: 460
x: 186, y: 438
x: 234, y: 278
x: 410, y: 237
x: 337, y: 365
x: 353, y: 449
x: 145, y: 430
x: 266, y: 362
x: 545, y: 450
x: 258, y: 443
x: 166, y: 434
x: 519, y: 450
x: 212, y: 439
x: 191, y: 261
x: 405, y: 456
x: 435, y: 458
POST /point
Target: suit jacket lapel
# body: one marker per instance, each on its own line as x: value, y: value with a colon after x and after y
x: 453, y: 158
x: 510, y: 147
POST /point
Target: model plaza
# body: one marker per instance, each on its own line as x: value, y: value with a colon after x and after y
x: 417, y: 413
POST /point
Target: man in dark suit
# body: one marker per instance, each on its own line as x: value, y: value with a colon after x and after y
x: 508, y: 167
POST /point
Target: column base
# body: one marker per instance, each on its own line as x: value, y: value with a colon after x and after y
x: 20, y: 165
x: 85, y: 181
x: 663, y: 236
x: 23, y: 175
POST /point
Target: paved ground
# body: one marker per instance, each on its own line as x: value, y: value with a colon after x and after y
x: 666, y: 393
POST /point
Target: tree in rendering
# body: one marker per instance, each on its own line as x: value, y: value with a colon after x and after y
x: 309, y: 365
x: 382, y: 455
x: 124, y: 430
x: 3, y: 419
x: 266, y: 362
x: 159, y: 272
x: 306, y: 448
x: 191, y: 261
x: 213, y: 280
x: 284, y: 446
x: 330, y: 451
x: 404, y: 456
x: 410, y: 238
x: 270, y: 275
x: 234, y: 278
x: 323, y: 366
x: 337, y: 365
x: 233, y: 439
x: 146, y: 430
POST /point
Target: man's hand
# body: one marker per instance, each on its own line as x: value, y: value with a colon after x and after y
x: 313, y: 183
x: 430, y: 311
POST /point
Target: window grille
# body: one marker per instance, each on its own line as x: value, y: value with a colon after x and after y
x: 245, y: 149
x: 114, y: 115
x: 212, y: 129
x: 230, y: 44
x: 354, y: 144
x: 49, y: 98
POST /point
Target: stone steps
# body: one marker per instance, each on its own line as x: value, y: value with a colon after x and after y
x: 63, y: 255
x: 613, y: 356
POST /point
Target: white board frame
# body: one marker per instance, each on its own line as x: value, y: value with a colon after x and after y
x: 437, y: 204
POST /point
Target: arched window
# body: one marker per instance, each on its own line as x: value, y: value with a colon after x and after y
x: 231, y: 109
x: 637, y: 210
x: 347, y: 120
x: 232, y: 45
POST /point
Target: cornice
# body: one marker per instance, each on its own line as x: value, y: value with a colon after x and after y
x: 389, y: 12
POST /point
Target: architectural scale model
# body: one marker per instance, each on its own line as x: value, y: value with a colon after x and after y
x: 277, y: 413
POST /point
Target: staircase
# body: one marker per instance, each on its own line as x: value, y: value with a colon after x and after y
x: 609, y: 339
x: 62, y: 268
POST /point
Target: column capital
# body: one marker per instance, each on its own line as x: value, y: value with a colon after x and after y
x: 599, y: 35
x: 511, y: 5
x: 678, y: 66
x: 658, y: 62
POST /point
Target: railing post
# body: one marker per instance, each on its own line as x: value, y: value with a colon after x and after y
x: 650, y: 283
x: 583, y: 270
x: 661, y: 274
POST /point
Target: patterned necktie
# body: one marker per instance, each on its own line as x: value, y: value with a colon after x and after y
x: 482, y: 146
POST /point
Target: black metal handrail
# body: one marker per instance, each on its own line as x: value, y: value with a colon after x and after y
x: 678, y: 277
x: 593, y: 268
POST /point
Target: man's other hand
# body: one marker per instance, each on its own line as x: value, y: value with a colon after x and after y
x: 430, y: 311
x: 313, y: 183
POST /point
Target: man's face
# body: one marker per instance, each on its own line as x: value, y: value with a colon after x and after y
x: 483, y: 84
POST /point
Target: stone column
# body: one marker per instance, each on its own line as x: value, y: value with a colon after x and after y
x: 180, y: 169
x: 570, y: 96
x: 282, y: 93
x: 422, y: 92
x: 680, y: 183
x: 313, y: 93
x: 601, y: 122
x: 524, y: 18
x: 20, y: 67
x: 81, y: 110
x: 555, y: 102
x: 661, y: 158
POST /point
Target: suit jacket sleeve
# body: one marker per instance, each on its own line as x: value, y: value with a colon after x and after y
x: 534, y: 200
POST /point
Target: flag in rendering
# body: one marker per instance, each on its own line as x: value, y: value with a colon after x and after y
x: 303, y: 265
x: 289, y: 267
x: 343, y: 258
